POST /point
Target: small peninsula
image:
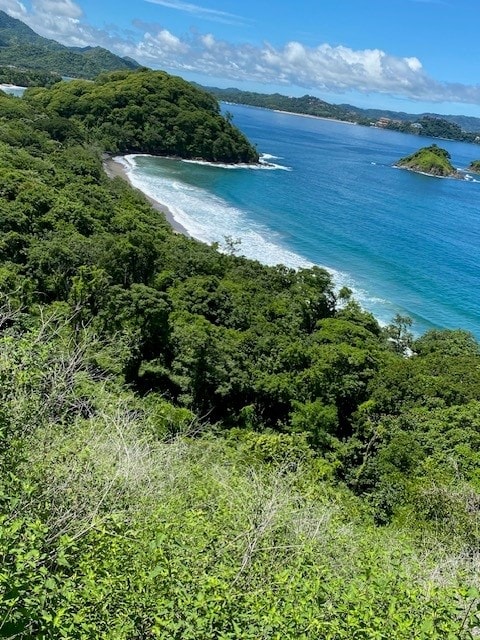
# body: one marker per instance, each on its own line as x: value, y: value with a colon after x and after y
x: 474, y: 166
x: 146, y: 111
x: 433, y: 161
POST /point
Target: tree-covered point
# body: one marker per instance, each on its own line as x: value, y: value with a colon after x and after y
x: 474, y: 166
x: 441, y: 128
x: 432, y: 160
x: 150, y: 112
x: 307, y: 104
x: 430, y: 125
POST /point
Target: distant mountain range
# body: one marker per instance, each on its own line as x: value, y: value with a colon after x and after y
x: 453, y: 127
x: 21, y: 47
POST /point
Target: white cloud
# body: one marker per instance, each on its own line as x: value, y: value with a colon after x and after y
x: 65, y: 8
x: 208, y: 41
x: 14, y: 8
x: 161, y: 43
x: 201, y: 12
x: 326, y: 68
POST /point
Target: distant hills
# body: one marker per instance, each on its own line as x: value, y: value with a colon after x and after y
x: 467, y: 123
x: 451, y: 127
x: 21, y: 47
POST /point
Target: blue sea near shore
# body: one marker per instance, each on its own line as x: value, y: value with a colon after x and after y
x: 405, y: 243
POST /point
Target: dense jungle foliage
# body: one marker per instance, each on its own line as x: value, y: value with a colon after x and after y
x: 148, y: 111
x: 28, y: 77
x: 197, y: 446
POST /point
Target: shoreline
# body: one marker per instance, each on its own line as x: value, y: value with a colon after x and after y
x: 310, y: 115
x: 115, y: 169
x: 290, y: 113
x: 458, y: 175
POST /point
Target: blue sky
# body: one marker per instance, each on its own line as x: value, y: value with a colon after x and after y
x: 411, y: 55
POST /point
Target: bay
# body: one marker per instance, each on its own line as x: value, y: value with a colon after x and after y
x: 404, y: 243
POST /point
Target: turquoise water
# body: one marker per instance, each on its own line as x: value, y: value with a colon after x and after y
x: 403, y: 242
x: 13, y: 90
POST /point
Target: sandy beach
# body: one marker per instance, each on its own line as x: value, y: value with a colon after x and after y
x: 309, y: 115
x: 115, y: 169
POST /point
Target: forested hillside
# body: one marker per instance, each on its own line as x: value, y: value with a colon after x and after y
x: 309, y: 105
x: 150, y: 112
x: 22, y: 48
x: 198, y: 446
x: 27, y: 77
x: 432, y: 125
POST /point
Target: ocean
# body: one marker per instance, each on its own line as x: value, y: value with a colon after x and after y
x: 328, y: 194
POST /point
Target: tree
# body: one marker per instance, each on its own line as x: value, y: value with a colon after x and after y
x: 399, y: 335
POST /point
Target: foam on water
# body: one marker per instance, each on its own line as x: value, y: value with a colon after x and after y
x: 212, y: 219
x: 263, y: 164
x: 13, y: 89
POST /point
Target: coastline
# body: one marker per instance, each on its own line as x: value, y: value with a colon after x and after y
x: 458, y: 175
x: 115, y: 169
x: 290, y: 113
x: 310, y: 115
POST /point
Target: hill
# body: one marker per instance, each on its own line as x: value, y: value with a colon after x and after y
x: 147, y: 111
x: 21, y: 47
x: 431, y: 160
x: 309, y: 105
x: 474, y: 166
x: 197, y: 446
x: 427, y: 124
x: 468, y: 124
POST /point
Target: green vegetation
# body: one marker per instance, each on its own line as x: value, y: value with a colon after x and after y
x: 309, y: 105
x: 433, y: 127
x: 440, y: 128
x: 432, y: 160
x: 21, y: 47
x: 150, y: 112
x: 430, y: 125
x: 197, y: 446
x: 28, y: 77
x: 474, y: 166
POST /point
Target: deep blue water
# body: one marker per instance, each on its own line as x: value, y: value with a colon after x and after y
x: 403, y: 242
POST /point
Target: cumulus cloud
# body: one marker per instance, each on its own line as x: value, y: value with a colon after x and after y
x: 324, y: 68
x: 162, y: 43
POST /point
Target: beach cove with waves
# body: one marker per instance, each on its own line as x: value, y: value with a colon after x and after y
x: 326, y: 193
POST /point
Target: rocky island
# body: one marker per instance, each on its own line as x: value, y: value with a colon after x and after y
x: 433, y: 161
x: 474, y: 166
